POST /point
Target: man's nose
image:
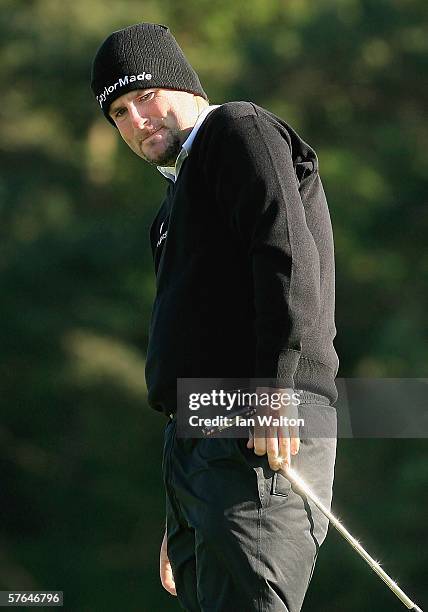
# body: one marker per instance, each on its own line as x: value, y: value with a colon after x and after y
x: 138, y: 119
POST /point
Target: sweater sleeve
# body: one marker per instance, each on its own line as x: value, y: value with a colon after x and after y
x: 256, y: 189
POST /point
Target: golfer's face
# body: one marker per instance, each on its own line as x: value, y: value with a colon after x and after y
x: 155, y: 122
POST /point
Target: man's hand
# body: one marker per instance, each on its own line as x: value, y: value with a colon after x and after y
x: 279, y: 442
x: 166, y: 576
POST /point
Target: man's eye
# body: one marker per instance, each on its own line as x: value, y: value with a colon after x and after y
x: 119, y: 113
x: 147, y: 96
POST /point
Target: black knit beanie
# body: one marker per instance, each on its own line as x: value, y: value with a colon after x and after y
x: 141, y: 56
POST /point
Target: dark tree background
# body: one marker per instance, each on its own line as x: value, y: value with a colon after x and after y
x: 81, y: 493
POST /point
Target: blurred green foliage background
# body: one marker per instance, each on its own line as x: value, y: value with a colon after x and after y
x: 81, y: 493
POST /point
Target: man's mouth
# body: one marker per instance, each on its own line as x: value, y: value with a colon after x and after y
x: 152, y: 134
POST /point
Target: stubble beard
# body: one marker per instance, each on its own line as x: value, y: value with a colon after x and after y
x: 168, y: 156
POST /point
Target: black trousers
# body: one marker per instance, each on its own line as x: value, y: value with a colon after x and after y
x: 240, y: 538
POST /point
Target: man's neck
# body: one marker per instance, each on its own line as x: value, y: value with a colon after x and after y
x: 184, y: 134
x: 171, y: 171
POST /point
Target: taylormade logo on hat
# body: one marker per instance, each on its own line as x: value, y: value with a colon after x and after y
x: 141, y: 56
x: 122, y: 82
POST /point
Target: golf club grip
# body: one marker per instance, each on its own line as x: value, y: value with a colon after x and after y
x: 416, y: 609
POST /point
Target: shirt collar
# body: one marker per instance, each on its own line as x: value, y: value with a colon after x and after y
x: 172, y: 172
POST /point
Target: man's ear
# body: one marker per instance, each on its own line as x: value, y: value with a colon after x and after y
x: 201, y: 103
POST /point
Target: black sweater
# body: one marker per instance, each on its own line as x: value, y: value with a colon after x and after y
x: 245, y: 274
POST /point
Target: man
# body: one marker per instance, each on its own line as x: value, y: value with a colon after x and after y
x: 243, y: 254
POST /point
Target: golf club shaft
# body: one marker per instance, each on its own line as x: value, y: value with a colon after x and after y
x: 300, y: 484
